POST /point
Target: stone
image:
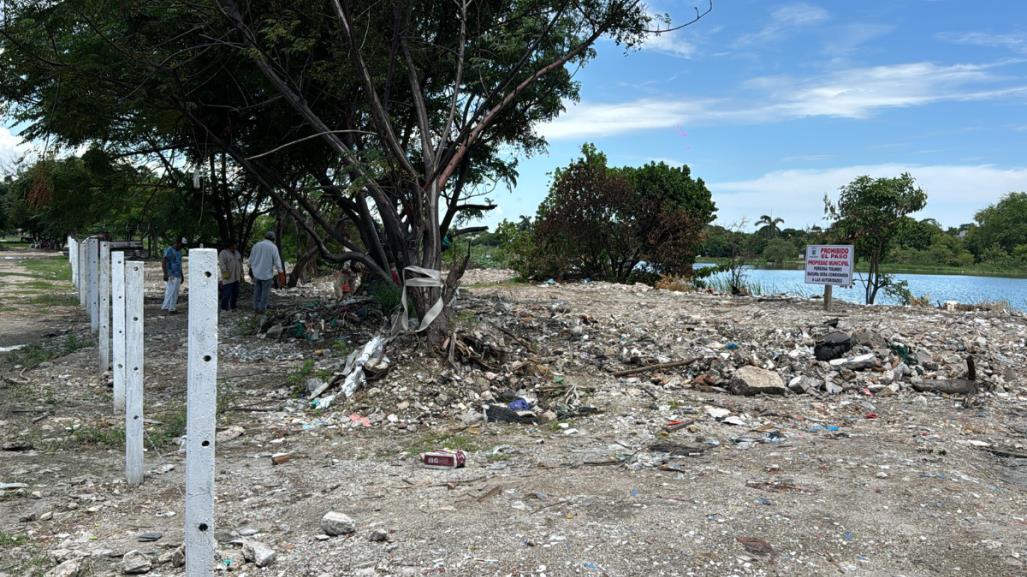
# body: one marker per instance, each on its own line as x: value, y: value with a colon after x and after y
x: 149, y: 537
x: 258, y: 553
x: 275, y: 332
x: 135, y: 563
x: 750, y: 380
x: 378, y: 536
x: 178, y: 556
x: 547, y: 417
x: 869, y: 338
x: 233, y: 432
x: 926, y: 360
x: 832, y: 346
x: 69, y: 568
x: 335, y: 524
x: 802, y: 384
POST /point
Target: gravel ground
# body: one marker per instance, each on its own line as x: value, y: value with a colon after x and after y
x: 865, y: 482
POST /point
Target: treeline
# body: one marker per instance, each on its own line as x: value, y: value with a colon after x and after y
x: 996, y: 240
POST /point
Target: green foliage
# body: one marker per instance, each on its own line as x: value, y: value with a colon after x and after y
x: 1002, y: 225
x: 603, y: 222
x: 298, y: 378
x: 779, y: 250
x: 12, y: 539
x: 385, y: 293
x: 869, y: 213
x: 35, y: 354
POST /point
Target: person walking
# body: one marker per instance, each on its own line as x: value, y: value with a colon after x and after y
x: 230, y: 263
x: 264, y: 262
x: 173, y: 277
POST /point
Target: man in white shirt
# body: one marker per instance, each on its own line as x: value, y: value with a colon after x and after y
x: 264, y: 262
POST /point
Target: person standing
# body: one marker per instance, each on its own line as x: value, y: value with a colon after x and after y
x: 264, y: 262
x: 230, y: 262
x: 173, y: 277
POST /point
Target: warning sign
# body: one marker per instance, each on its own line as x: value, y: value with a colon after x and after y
x: 829, y: 264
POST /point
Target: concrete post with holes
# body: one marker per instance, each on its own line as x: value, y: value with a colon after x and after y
x: 94, y: 281
x: 201, y: 404
x: 134, y: 372
x: 73, y: 259
x: 81, y: 272
x: 104, y: 304
x: 118, y: 328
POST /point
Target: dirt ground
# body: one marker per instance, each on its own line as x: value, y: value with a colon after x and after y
x: 857, y: 483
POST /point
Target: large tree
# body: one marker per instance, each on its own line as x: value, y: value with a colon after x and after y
x: 390, y: 116
x: 869, y: 212
x: 603, y: 222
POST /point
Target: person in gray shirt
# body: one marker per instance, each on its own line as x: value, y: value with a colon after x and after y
x: 264, y: 262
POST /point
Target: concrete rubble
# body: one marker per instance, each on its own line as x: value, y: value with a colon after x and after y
x: 609, y: 429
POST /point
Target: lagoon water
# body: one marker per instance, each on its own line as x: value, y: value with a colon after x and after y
x: 939, y: 288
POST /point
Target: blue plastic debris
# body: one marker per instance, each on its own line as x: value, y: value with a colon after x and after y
x: 831, y: 428
x: 519, y: 405
x: 731, y: 346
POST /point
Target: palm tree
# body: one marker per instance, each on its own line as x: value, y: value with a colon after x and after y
x: 769, y: 228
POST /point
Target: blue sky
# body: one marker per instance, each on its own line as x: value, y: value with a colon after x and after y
x: 775, y: 104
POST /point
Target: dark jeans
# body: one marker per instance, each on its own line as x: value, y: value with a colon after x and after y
x: 261, y: 294
x: 230, y: 296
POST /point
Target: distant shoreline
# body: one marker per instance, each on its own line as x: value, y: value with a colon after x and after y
x: 896, y: 268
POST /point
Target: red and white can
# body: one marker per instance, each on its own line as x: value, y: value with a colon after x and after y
x: 444, y: 459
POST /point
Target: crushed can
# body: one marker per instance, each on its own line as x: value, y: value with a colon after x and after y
x: 444, y: 459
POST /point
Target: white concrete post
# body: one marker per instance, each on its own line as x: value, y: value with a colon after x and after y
x: 94, y: 285
x: 118, y: 328
x: 201, y: 405
x: 83, y: 266
x: 72, y: 255
x: 134, y: 372
x: 104, y: 286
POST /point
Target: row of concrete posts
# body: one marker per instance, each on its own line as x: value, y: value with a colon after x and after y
x: 111, y: 290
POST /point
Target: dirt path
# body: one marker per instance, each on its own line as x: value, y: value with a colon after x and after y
x: 910, y: 492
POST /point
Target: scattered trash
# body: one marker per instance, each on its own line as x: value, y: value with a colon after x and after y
x: 280, y: 458
x: 360, y: 420
x: 444, y: 459
x: 519, y: 405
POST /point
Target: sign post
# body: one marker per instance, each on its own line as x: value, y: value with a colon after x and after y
x: 829, y: 265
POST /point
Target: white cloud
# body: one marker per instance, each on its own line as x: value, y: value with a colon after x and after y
x: 672, y: 43
x: 858, y: 92
x: 850, y: 93
x: 954, y: 192
x: 597, y: 119
x: 849, y: 38
x: 782, y: 21
x: 11, y: 148
x: 1017, y: 42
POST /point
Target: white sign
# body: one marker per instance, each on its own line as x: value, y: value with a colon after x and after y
x: 829, y: 264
